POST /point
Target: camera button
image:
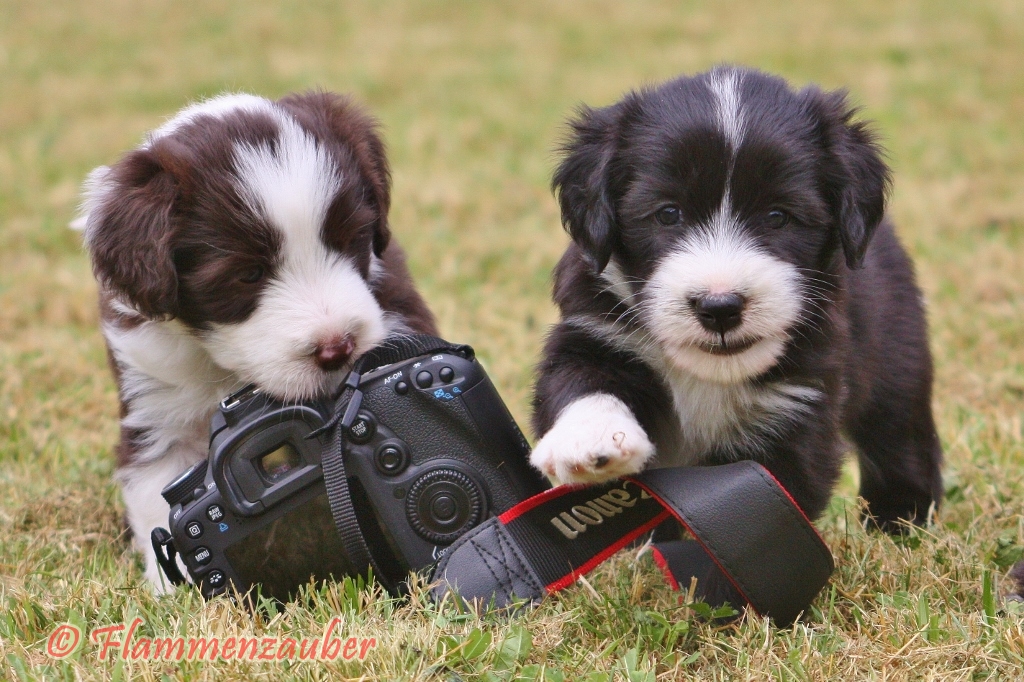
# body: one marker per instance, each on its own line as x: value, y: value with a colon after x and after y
x: 194, y: 529
x: 424, y: 379
x: 401, y: 388
x: 201, y: 555
x: 391, y: 459
x: 215, y: 579
x: 444, y: 508
x: 446, y: 374
x: 362, y: 429
x: 214, y: 512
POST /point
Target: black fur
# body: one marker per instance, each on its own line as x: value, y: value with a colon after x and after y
x: 1016, y: 577
x: 861, y: 339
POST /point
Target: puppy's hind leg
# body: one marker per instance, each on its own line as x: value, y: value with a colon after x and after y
x: 900, y: 460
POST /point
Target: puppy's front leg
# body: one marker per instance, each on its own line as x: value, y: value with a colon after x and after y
x: 595, y: 438
x: 146, y: 509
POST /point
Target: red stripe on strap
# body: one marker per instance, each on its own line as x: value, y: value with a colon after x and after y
x: 662, y: 563
x: 537, y: 500
x: 570, y: 578
x: 793, y: 502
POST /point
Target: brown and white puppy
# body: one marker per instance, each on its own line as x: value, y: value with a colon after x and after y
x: 246, y: 241
x: 733, y: 291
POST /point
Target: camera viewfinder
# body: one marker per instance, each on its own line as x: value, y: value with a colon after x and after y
x: 279, y: 462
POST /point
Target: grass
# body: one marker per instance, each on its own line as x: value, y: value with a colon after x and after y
x: 472, y: 96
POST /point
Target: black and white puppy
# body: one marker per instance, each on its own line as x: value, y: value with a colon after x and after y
x: 733, y: 291
x: 245, y: 241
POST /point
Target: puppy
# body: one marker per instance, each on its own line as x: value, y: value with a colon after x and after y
x: 733, y: 291
x: 246, y: 241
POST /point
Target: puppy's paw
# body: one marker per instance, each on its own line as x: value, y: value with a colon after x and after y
x: 596, y: 438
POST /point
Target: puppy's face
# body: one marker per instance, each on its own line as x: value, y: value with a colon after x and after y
x: 715, y: 207
x: 258, y: 225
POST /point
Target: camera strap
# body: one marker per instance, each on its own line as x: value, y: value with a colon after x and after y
x: 749, y: 533
x: 747, y: 530
x: 348, y: 400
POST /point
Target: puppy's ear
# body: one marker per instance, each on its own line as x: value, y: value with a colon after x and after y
x: 360, y: 133
x: 128, y: 227
x: 370, y: 154
x: 582, y: 182
x: 861, y: 184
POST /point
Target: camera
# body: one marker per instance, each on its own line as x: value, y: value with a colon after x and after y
x: 429, y: 451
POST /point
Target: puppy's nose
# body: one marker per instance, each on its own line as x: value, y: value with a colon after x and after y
x: 719, y: 312
x: 333, y: 353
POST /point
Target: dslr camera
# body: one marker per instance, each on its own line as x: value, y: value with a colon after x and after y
x: 429, y: 451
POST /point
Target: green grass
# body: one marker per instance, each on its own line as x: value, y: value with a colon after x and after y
x: 472, y: 96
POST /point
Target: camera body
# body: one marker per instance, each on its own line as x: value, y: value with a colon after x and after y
x: 432, y: 452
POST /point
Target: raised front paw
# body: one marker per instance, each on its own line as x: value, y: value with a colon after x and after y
x: 596, y: 438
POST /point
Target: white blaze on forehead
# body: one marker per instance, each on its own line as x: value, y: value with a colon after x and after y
x: 725, y: 86
x: 291, y: 186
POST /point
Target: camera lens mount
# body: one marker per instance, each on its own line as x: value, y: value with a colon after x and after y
x: 443, y: 504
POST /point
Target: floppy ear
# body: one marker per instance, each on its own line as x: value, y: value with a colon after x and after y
x: 863, y: 179
x: 582, y: 182
x: 360, y: 133
x: 128, y: 229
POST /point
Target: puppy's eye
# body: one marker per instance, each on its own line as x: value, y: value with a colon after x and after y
x: 251, y: 275
x: 669, y: 215
x: 777, y: 219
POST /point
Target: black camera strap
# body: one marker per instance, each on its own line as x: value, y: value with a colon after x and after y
x: 347, y: 404
x: 747, y: 529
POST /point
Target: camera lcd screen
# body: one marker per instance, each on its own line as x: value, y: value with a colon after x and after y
x: 286, y: 553
x: 278, y: 462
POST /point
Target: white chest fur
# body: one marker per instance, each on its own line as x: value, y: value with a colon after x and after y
x: 731, y: 418
x: 169, y: 384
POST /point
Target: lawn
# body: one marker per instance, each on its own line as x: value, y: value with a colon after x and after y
x: 472, y: 96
